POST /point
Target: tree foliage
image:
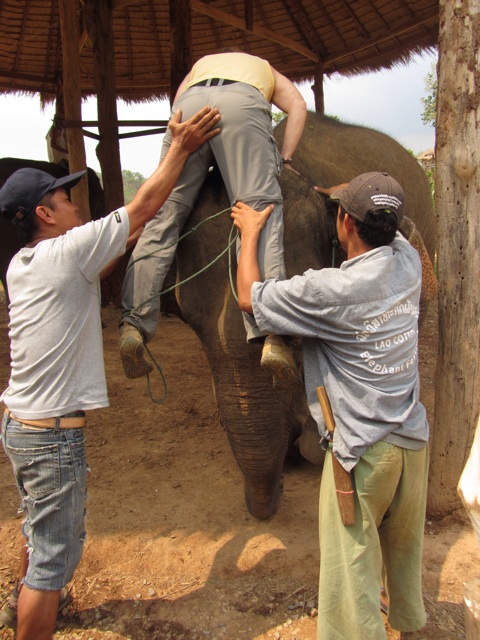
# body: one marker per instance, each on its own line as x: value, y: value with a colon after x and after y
x: 277, y: 117
x: 429, y: 114
x: 132, y: 180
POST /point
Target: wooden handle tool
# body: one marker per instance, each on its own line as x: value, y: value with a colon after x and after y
x: 343, y: 478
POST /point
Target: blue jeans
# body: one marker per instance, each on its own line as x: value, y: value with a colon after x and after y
x: 50, y: 470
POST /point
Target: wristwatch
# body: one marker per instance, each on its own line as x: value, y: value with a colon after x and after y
x: 287, y: 160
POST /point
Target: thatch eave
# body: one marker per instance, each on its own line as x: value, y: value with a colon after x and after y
x: 296, y: 36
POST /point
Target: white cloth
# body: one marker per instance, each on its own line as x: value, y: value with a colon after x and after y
x: 469, y: 484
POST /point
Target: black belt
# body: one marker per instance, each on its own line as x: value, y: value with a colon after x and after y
x: 213, y: 82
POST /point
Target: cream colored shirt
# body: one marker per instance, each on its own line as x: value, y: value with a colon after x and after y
x: 241, y: 67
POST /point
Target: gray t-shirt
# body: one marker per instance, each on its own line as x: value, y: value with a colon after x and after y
x: 359, y: 326
x: 55, y: 327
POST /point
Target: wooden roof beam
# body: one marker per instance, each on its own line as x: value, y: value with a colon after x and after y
x: 404, y: 5
x: 121, y: 4
x: 158, y: 48
x: 376, y: 12
x: 180, y: 20
x: 129, y: 44
x: 386, y: 38
x: 248, y: 13
x: 304, y: 25
x: 331, y: 23
x: 360, y: 26
x: 264, y: 20
x: 21, y: 39
x: 238, y: 23
x: 50, y: 46
x: 27, y: 78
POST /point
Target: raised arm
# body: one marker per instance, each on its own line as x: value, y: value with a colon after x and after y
x: 249, y: 222
x: 288, y: 98
x: 186, y: 137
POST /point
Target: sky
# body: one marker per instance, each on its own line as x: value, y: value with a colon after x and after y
x: 389, y: 101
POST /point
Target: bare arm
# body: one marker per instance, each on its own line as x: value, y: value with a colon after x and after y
x: 288, y: 98
x: 249, y: 222
x: 186, y: 137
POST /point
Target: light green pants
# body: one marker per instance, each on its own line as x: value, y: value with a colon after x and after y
x: 385, y: 543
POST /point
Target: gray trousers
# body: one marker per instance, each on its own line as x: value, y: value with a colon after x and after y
x: 249, y: 161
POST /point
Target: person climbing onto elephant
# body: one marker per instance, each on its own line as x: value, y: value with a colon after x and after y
x: 57, y: 368
x: 359, y: 330
x: 243, y: 87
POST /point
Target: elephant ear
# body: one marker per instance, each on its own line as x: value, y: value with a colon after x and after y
x: 429, y: 291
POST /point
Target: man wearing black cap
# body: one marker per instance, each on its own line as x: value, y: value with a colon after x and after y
x: 57, y: 368
x: 360, y: 332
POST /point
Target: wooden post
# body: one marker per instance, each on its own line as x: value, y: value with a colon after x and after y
x: 180, y: 43
x: 72, y: 95
x: 98, y: 20
x: 317, y: 88
x: 248, y: 12
x: 457, y: 206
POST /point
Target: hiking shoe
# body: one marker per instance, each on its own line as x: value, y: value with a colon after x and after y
x: 278, y: 358
x: 133, y: 352
x: 8, y: 613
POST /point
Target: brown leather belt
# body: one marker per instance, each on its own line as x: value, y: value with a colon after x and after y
x: 75, y: 420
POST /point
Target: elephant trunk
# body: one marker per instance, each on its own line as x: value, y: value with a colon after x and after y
x: 258, y: 431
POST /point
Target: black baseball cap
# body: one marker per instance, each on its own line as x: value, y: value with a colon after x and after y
x: 24, y: 189
x: 371, y: 191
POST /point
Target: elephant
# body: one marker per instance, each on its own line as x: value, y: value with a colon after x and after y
x: 262, y: 422
x: 9, y: 240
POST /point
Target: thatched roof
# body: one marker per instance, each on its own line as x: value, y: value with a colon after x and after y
x: 349, y: 36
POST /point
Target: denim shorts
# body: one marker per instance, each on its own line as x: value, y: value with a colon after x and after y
x: 50, y: 470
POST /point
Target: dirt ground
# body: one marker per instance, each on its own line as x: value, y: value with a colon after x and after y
x: 172, y: 552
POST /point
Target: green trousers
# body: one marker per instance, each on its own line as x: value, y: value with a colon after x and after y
x: 385, y: 544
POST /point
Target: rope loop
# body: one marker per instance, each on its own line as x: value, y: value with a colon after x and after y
x: 159, y: 369
x: 231, y: 242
